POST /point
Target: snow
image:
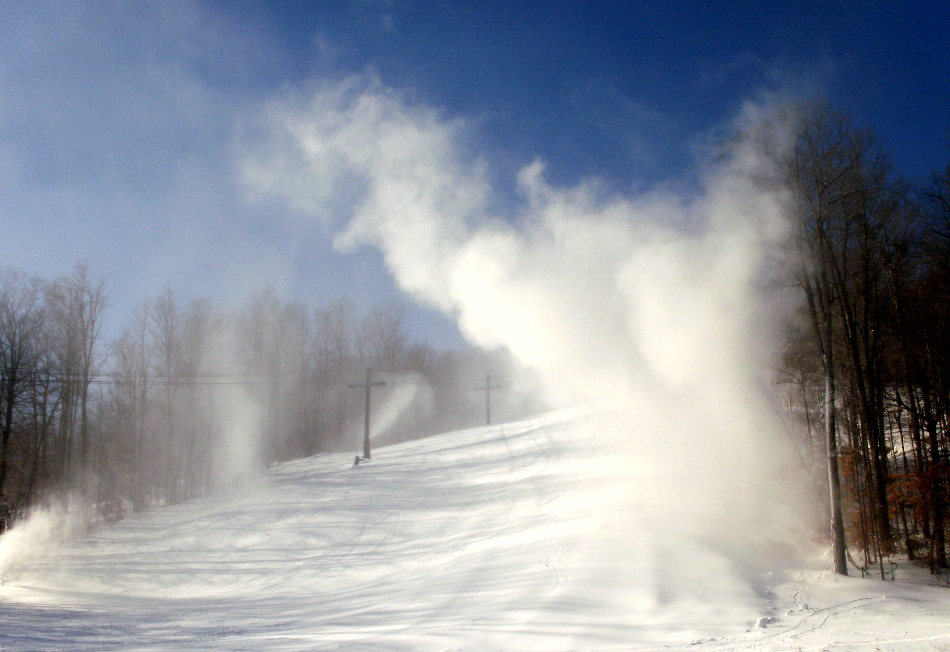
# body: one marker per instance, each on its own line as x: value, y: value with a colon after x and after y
x: 537, y: 535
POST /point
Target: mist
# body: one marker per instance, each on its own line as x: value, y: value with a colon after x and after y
x: 649, y: 308
x: 47, y: 527
x: 392, y: 405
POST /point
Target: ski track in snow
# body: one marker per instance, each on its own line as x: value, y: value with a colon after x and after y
x: 528, y: 536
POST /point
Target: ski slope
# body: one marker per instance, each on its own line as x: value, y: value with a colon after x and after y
x: 537, y: 535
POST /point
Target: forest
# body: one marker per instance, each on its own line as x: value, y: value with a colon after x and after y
x: 136, y: 421
x: 191, y: 396
x: 866, y: 361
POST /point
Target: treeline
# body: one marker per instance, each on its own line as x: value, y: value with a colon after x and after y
x: 190, y: 395
x: 867, y: 363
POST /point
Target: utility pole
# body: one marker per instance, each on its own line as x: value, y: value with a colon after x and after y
x: 487, y: 388
x: 367, y: 385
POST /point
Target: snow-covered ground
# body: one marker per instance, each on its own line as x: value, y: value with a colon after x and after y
x: 537, y: 535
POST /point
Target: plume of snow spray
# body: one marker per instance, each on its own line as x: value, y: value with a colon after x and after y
x: 650, y: 307
x: 45, y: 528
x: 392, y: 406
x: 238, y: 441
x: 236, y: 461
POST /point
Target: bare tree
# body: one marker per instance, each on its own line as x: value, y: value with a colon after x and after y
x: 381, y: 340
x: 44, y: 410
x: 197, y: 325
x: 862, y: 273
x: 921, y: 273
x: 76, y: 303
x: 333, y: 350
x: 21, y: 323
x: 90, y: 303
x: 133, y: 353
x: 166, y: 335
x: 816, y: 166
x: 276, y: 339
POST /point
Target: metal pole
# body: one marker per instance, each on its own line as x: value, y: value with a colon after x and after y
x: 487, y: 399
x: 366, y: 452
x: 367, y: 385
x: 487, y: 389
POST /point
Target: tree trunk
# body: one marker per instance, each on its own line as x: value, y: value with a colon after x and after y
x: 834, y: 483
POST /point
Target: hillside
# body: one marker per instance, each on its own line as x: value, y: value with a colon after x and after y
x: 537, y: 535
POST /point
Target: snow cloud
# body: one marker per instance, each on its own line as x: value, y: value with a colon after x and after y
x: 649, y: 306
x: 47, y: 527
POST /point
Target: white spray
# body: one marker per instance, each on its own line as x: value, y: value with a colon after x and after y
x: 650, y: 307
x: 45, y: 528
x: 238, y: 440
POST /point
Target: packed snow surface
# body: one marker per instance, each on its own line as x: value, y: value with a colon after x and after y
x: 537, y: 535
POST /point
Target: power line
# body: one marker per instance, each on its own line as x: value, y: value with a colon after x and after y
x: 225, y: 379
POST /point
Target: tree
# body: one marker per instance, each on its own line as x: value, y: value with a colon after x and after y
x: 196, y: 329
x: 76, y: 306
x: 21, y: 323
x: 333, y: 351
x: 922, y: 305
x: 44, y: 411
x: 816, y: 166
x: 871, y: 263
x: 165, y: 329
x: 275, y: 346
x: 380, y: 339
x: 133, y: 353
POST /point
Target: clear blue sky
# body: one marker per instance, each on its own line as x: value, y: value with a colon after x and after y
x: 120, y: 124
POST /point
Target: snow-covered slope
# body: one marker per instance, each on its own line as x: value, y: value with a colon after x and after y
x: 537, y: 535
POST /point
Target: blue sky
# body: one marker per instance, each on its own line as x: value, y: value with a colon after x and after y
x: 123, y: 125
